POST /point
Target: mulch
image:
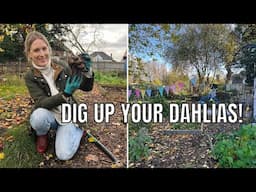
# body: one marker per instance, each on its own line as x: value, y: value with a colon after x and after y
x: 183, y: 150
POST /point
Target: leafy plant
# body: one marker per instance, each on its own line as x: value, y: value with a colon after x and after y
x: 137, y: 126
x: 237, y: 150
x: 138, y: 145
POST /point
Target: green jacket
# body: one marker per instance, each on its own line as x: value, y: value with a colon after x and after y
x: 40, y: 91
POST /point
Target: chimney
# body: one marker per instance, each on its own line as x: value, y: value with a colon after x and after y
x: 111, y: 55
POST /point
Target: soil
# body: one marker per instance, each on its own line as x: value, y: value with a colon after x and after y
x: 112, y: 135
x: 183, y: 150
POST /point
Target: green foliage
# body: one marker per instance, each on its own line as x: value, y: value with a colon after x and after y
x: 139, y: 140
x: 20, y: 152
x: 138, y: 145
x: 247, y: 60
x: 110, y: 78
x: 237, y: 150
x: 12, y: 50
x: 12, y: 37
x: 149, y: 39
x: 246, y: 34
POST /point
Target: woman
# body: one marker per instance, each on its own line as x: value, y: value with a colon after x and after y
x: 51, y: 84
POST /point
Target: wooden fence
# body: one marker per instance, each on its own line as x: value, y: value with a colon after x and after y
x: 109, y: 66
x: 13, y: 68
x: 22, y: 67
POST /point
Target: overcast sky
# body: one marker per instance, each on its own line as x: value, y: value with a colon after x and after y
x: 115, y: 39
x: 110, y: 38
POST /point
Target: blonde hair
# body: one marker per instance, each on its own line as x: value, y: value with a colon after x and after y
x: 31, y: 37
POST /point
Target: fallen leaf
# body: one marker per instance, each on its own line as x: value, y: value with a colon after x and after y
x: 9, y: 138
x: 1, y: 156
x: 91, y: 157
x: 117, y: 165
x: 118, y: 124
x: 116, y: 150
x: 49, y: 156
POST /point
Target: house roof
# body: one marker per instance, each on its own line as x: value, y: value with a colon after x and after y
x: 102, y: 54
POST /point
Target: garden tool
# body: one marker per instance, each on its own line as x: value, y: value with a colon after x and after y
x: 93, y: 139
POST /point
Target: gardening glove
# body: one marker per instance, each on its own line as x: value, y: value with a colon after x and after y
x: 87, y: 61
x: 72, y: 84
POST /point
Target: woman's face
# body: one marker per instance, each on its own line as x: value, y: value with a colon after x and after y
x: 39, y: 53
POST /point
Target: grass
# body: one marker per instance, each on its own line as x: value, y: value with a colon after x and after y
x: 20, y: 150
x: 12, y: 86
x: 110, y: 79
x: 8, y: 92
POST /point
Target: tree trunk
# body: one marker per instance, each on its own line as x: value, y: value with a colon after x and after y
x: 229, y: 73
x: 199, y: 81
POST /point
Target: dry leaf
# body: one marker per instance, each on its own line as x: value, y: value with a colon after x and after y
x: 9, y: 138
x: 117, y: 165
x: 49, y: 156
x: 91, y: 157
x: 118, y: 124
x: 1, y: 156
x: 116, y: 150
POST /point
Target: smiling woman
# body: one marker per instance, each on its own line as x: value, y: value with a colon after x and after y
x: 56, y: 65
x: 51, y: 85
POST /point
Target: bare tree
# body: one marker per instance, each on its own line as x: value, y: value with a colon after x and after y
x: 83, y: 37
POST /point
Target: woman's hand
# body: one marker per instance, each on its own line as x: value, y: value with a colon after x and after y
x: 86, y: 60
x: 72, y: 84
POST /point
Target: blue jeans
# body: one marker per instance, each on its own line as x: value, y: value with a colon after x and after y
x: 68, y: 136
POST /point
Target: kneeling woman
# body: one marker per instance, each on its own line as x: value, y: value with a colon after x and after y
x: 50, y: 85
